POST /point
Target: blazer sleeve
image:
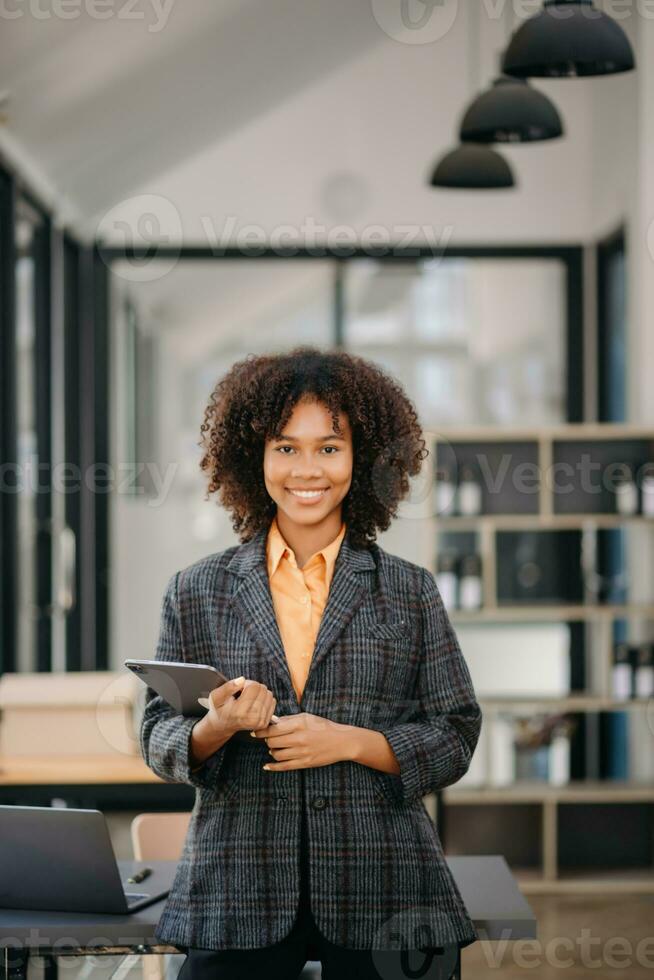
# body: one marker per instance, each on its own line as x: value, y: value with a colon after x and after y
x: 435, y: 745
x: 164, y: 735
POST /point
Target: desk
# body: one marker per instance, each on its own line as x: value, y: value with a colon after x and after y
x: 489, y: 890
x: 100, y: 782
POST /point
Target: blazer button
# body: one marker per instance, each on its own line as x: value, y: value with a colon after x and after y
x: 319, y: 803
x: 282, y: 799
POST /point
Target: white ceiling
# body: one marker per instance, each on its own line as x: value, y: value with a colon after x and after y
x: 106, y: 105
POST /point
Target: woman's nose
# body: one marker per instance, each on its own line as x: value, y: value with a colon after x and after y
x: 306, y: 468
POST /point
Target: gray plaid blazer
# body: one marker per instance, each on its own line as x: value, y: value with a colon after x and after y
x: 387, y: 658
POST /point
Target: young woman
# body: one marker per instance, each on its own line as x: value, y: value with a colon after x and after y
x: 309, y: 838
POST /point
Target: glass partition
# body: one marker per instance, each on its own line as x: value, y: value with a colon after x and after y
x: 173, y: 338
x: 33, y: 578
x: 475, y: 341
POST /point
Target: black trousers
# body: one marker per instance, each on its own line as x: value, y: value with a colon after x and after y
x: 285, y: 960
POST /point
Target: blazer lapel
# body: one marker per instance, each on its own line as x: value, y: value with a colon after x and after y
x: 252, y: 600
x: 349, y: 586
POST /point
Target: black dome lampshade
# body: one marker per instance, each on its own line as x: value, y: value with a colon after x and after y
x: 511, y: 111
x: 472, y: 166
x: 568, y: 38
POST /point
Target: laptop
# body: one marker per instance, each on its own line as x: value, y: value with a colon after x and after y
x: 62, y: 860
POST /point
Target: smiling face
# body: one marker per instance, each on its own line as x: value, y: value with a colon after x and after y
x: 309, y: 457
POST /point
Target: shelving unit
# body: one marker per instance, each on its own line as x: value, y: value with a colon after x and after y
x: 546, y: 874
x: 537, y: 823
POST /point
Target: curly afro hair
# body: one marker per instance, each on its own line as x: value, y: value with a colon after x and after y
x: 255, y: 399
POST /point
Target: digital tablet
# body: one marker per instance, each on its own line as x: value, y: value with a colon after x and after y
x: 181, y: 684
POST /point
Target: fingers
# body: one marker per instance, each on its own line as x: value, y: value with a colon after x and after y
x: 284, y: 755
x: 254, y: 708
x: 262, y: 707
x: 282, y: 741
x: 221, y: 694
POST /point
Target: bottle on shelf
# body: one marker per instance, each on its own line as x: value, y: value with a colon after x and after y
x: 621, y: 672
x: 644, y: 671
x: 559, y: 758
x: 470, y: 596
x: 444, y: 491
x: 447, y: 579
x: 647, y: 490
x: 626, y: 492
x: 469, y: 492
x: 502, y: 750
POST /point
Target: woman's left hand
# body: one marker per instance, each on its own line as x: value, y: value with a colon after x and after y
x: 304, y: 740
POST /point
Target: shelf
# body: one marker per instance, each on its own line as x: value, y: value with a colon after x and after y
x: 635, y: 881
x: 517, y: 522
x: 591, y: 791
x: 615, y: 875
x: 546, y: 501
x: 565, y: 430
x: 573, y: 611
x: 42, y: 770
x: 583, y: 702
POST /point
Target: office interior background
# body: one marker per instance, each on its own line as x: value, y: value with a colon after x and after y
x: 184, y: 184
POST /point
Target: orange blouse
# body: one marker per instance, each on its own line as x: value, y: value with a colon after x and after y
x: 299, y: 597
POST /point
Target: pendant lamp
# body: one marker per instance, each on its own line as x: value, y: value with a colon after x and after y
x: 472, y: 166
x: 568, y: 38
x: 511, y: 111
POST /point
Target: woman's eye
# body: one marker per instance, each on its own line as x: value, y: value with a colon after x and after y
x: 280, y: 448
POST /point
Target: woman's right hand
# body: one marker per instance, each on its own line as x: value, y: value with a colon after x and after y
x: 252, y: 709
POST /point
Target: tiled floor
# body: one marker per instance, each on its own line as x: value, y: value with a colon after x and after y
x: 583, y: 936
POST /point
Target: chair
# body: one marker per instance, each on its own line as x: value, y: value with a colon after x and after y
x: 159, y: 837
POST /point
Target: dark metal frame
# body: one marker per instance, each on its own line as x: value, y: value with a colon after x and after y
x: 94, y: 368
x: 611, y: 542
x: 64, y: 267
x: 8, y: 440
x: 571, y: 256
x: 72, y: 414
x: 606, y: 250
x: 43, y: 418
x: 101, y: 418
x: 10, y: 191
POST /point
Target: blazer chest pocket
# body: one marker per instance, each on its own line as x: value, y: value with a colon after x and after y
x: 383, y: 662
x: 398, y: 630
